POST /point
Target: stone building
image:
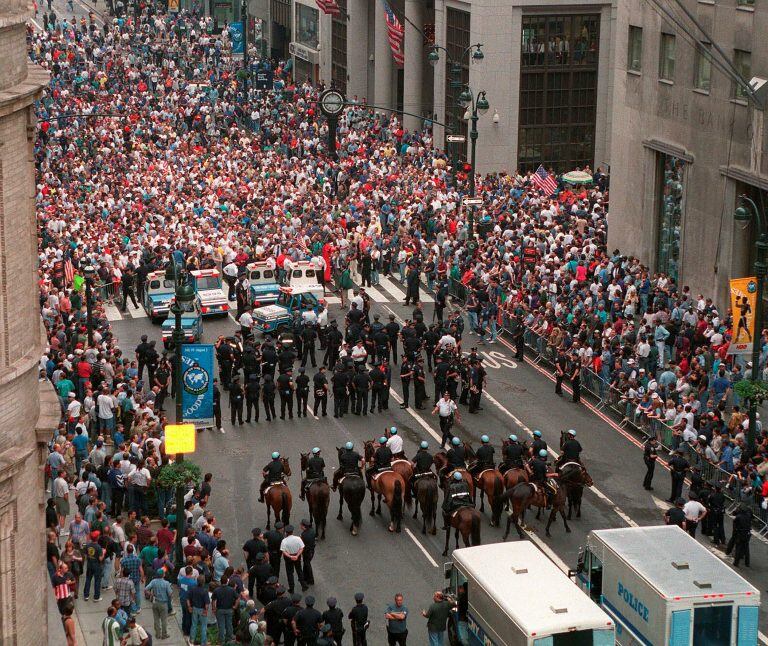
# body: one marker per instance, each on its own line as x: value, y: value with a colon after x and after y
x: 24, y: 585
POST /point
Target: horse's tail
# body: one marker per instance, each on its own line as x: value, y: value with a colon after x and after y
x: 429, y: 503
x: 285, y: 511
x: 397, y: 501
x: 475, y: 529
x: 408, y: 497
x: 355, y: 499
x: 497, y: 502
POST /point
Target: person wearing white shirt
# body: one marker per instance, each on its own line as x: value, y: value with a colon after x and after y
x: 694, y: 513
x: 395, y: 443
x: 246, y: 323
x: 359, y: 353
x: 446, y: 408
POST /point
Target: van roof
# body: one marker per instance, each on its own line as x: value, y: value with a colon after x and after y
x: 530, y: 589
x: 672, y: 562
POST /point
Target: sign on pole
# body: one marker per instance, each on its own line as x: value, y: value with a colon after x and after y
x: 472, y: 201
x: 180, y: 438
x: 743, y: 306
x: 456, y: 139
x: 197, y: 384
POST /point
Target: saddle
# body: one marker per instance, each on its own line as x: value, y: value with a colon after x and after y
x: 424, y: 474
x: 375, y: 476
x: 273, y: 484
x: 396, y: 460
x: 560, y: 467
x: 309, y: 483
x: 480, y: 475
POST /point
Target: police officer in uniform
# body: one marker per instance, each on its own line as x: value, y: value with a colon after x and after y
x: 678, y: 467
x: 513, y: 455
x: 309, y: 536
x: 349, y: 464
x: 226, y: 357
x: 236, y: 397
x: 287, y: 619
x: 272, y: 472
x: 382, y: 343
x: 315, y: 471
x: 274, y: 538
x: 152, y: 359
x: 361, y: 382
x: 742, y: 532
x: 379, y: 384
x: 456, y: 456
x: 358, y: 621
x: 268, y: 357
x: 141, y: 355
x: 307, y: 623
x: 561, y: 370
x: 258, y: 575
x: 340, y: 383
x: 717, y: 504
x: 217, y: 405
x: 540, y: 473
x: 273, y: 613
x: 538, y: 444
x: 252, y: 391
x: 382, y: 460
x: 440, y: 375
x: 268, y: 397
x: 571, y: 451
x: 302, y: 393
x: 431, y: 337
x: 650, y: 455
x: 308, y: 337
x: 333, y: 339
x: 334, y: 617
x: 458, y: 495
x: 419, y: 384
x: 320, y: 387
x: 406, y: 374
x: 422, y: 463
x: 393, y: 331
x: 285, y: 388
x: 484, y: 455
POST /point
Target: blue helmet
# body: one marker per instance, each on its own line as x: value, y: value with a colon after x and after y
x: 349, y: 446
x: 275, y: 455
x: 382, y: 440
x: 458, y: 476
x: 393, y: 430
x: 543, y: 453
x: 485, y: 439
x: 513, y: 437
x: 456, y: 441
x: 316, y: 450
x: 572, y: 433
x: 424, y: 445
x: 537, y: 433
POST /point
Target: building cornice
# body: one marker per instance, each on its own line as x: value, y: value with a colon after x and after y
x: 19, y: 96
x: 744, y: 176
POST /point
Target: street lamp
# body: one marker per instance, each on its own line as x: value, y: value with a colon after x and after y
x: 746, y: 212
x: 183, y: 295
x: 89, y: 273
x: 475, y: 108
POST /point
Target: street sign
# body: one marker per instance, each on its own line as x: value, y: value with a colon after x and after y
x: 472, y: 201
x: 456, y: 139
x: 179, y: 438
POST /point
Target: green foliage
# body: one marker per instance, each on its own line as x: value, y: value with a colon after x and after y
x: 180, y: 474
x: 748, y: 389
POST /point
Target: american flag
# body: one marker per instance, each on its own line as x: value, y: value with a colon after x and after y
x: 395, y: 33
x: 329, y: 6
x: 544, y: 181
x: 69, y: 271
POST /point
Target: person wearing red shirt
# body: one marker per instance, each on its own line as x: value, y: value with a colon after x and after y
x: 165, y: 537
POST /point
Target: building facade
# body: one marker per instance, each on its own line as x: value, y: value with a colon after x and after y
x: 24, y: 585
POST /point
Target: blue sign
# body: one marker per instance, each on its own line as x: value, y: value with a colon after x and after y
x: 237, y: 37
x: 197, y: 384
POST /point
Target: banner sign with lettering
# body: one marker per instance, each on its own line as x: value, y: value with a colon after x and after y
x: 743, y: 306
x: 236, y: 36
x: 197, y: 384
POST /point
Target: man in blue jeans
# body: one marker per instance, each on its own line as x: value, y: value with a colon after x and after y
x: 197, y: 603
x: 437, y: 616
x: 397, y: 627
x: 94, y: 566
x: 225, y: 600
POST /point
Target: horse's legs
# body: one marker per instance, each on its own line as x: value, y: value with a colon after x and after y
x: 457, y: 537
x: 482, y: 499
x: 565, y: 521
x: 269, y: 510
x: 570, y: 505
x: 373, y: 503
x: 519, y: 522
x: 578, y: 508
x: 341, y: 507
x: 416, y: 507
x: 447, y: 538
x: 509, y: 524
x: 378, y: 508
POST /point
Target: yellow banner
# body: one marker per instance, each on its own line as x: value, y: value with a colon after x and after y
x: 743, y: 306
x: 173, y: 5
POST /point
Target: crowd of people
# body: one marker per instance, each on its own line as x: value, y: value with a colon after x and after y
x: 152, y: 150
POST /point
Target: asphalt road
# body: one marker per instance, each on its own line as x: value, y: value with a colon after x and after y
x: 519, y: 399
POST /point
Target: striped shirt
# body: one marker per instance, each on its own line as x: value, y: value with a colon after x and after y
x: 132, y: 563
x: 124, y: 590
x: 111, y: 629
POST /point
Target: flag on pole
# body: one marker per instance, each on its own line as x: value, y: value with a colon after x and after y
x: 395, y: 34
x: 544, y: 181
x: 69, y: 271
x: 329, y: 6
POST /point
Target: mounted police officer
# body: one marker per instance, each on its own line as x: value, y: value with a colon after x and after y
x: 422, y: 463
x: 273, y: 472
x: 395, y: 444
x: 513, y: 455
x: 457, y: 496
x: 382, y: 460
x: 484, y: 457
x: 540, y: 473
x: 571, y: 450
x: 538, y: 444
x: 456, y: 456
x: 350, y: 463
x: 315, y: 471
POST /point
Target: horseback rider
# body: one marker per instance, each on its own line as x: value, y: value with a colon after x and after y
x: 382, y: 460
x: 571, y: 450
x: 457, y: 496
x: 456, y: 456
x: 484, y: 457
x: 395, y: 444
x: 273, y: 473
x: 350, y: 464
x: 513, y: 455
x: 315, y: 471
x: 540, y: 474
x: 538, y: 444
x: 422, y: 463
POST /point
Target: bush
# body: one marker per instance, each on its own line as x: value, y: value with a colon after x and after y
x: 180, y: 474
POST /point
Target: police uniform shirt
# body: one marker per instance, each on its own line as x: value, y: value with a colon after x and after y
x: 274, y: 470
x: 349, y: 459
x: 302, y: 383
x: 539, y: 468
x: 383, y: 457
x: 423, y: 460
x: 513, y: 451
x: 339, y: 381
x: 319, y: 381
x: 455, y: 456
x: 315, y: 466
x: 334, y: 617
x: 273, y: 538
x: 284, y: 384
x: 445, y: 408
x: 253, y: 546
x: 361, y: 381
x: 309, y: 536
x: 252, y: 389
x: 571, y: 449
x: 650, y: 452
x: 377, y: 378
x: 381, y: 338
x: 405, y: 368
x: 484, y: 454
x: 307, y: 620
x: 358, y: 616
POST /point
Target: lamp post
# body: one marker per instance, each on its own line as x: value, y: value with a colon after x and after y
x: 475, y: 107
x: 89, y: 273
x: 746, y: 214
x: 183, y: 294
x: 454, y: 73
x: 244, y: 17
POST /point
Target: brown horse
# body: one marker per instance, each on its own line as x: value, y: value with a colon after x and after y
x: 390, y: 486
x: 403, y: 467
x: 441, y: 460
x: 425, y: 491
x: 574, y: 477
x: 467, y: 522
x: 524, y: 495
x: 278, y: 498
x: 490, y: 483
x: 318, y: 498
x: 352, y: 491
x: 514, y: 476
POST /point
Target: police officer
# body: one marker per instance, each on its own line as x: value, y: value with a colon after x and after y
x: 273, y: 613
x: 458, y: 495
x: 274, y: 538
x: 217, y: 405
x: 513, y: 455
x: 650, y: 455
x: 307, y: 623
x: 349, y: 464
x: 393, y: 331
x: 334, y: 617
x: 268, y: 397
x: 268, y: 357
x: 252, y: 391
x: 340, y: 384
x: 302, y: 393
x: 236, y: 397
x: 571, y: 451
x: 406, y: 374
x: 717, y: 503
x: 540, y: 473
x: 226, y: 357
x: 431, y: 337
x: 152, y: 359
x: 272, y: 472
x: 258, y: 575
x: 162, y: 381
x: 308, y: 337
x: 538, y: 444
x: 315, y: 470
x: 456, y: 456
x: 333, y: 339
x: 309, y: 536
x: 678, y: 467
x: 285, y: 387
x: 358, y: 621
x: 381, y: 342
x: 422, y: 463
x: 287, y: 619
x: 382, y: 459
x: 127, y: 285
x: 440, y: 375
x: 361, y: 382
x: 379, y: 383
x: 561, y: 370
x: 141, y: 355
x: 484, y: 455
x: 419, y: 384
x: 320, y: 387
x: 742, y: 532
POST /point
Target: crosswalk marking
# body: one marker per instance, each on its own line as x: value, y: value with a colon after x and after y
x: 390, y: 287
x: 376, y: 296
x: 113, y: 312
x: 424, y: 297
x: 136, y: 312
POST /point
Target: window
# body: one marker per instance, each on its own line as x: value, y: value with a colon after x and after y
x: 667, y: 58
x: 457, y: 40
x: 712, y: 625
x: 671, y: 184
x: 745, y: 3
x: 306, y: 26
x: 339, y: 48
x: 743, y: 63
x: 703, y: 67
x: 635, y: 49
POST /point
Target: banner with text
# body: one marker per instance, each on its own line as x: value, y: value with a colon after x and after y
x: 743, y: 306
x: 237, y: 37
x: 197, y: 384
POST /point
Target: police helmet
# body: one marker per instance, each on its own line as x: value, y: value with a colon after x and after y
x: 382, y: 440
x: 513, y: 437
x: 572, y: 433
x: 393, y: 430
x: 424, y: 445
x: 458, y: 476
x: 348, y: 446
x: 485, y: 439
x: 537, y: 433
x: 316, y: 450
x: 275, y: 455
x: 456, y: 441
x: 543, y: 453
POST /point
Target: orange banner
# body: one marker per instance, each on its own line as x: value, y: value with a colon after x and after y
x: 743, y: 306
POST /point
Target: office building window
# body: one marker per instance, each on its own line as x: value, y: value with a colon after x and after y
x: 702, y: 69
x: 456, y: 41
x: 670, y: 193
x: 667, y: 58
x: 307, y: 26
x: 558, y: 91
x: 745, y: 3
x: 339, y: 48
x: 743, y: 62
x: 635, y: 49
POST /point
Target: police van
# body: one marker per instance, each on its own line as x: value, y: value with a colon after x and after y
x: 661, y: 586
x: 158, y: 293
x: 304, y: 276
x: 262, y: 280
x: 208, y: 286
x: 514, y: 595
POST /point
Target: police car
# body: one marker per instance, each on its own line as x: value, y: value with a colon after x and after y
x: 158, y: 294
x: 263, y: 288
x: 208, y: 286
x: 191, y: 323
x: 278, y: 317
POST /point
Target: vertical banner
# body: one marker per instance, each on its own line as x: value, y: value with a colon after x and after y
x: 236, y: 34
x: 743, y: 306
x: 173, y: 6
x: 197, y: 384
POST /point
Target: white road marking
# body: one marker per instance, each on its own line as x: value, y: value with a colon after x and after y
x: 309, y: 410
x: 113, y: 312
x: 375, y: 294
x: 36, y: 24
x: 547, y: 550
x: 421, y: 547
x: 390, y: 287
x: 424, y: 297
x: 415, y: 416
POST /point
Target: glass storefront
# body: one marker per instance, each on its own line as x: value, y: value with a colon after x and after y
x: 671, y: 185
x: 307, y: 26
x: 558, y: 91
